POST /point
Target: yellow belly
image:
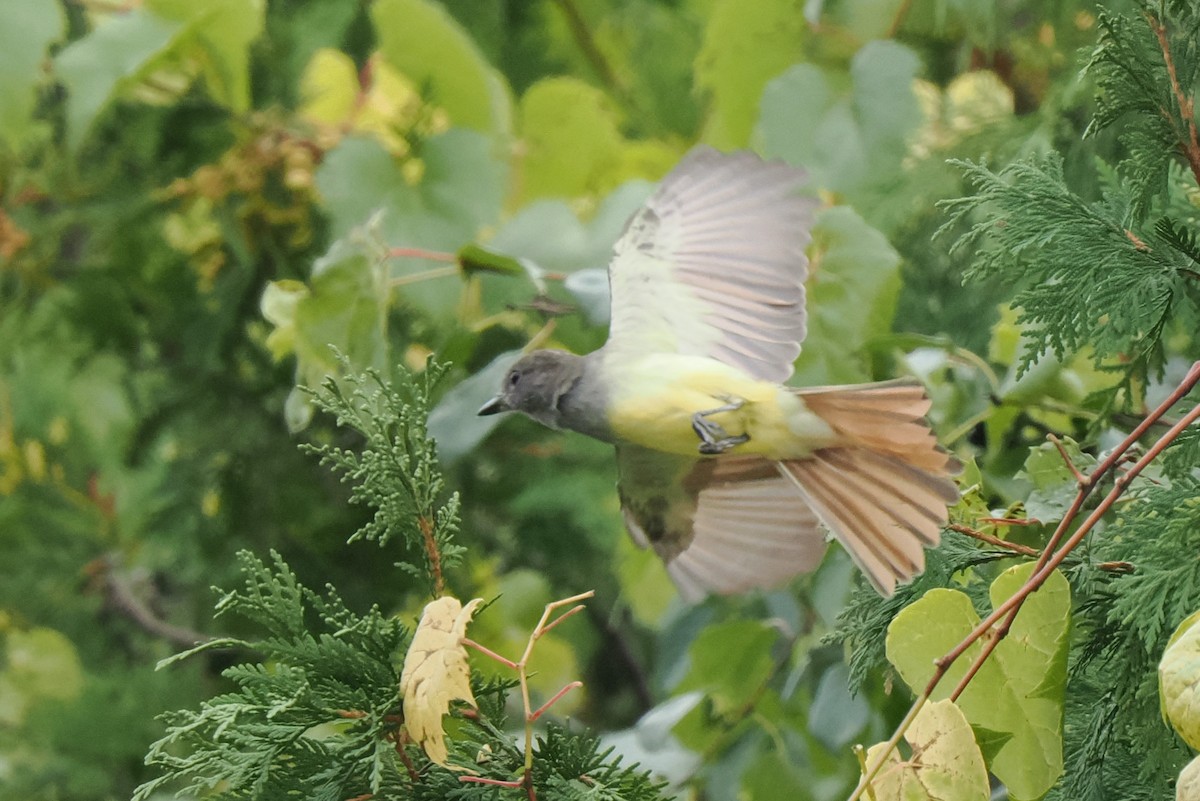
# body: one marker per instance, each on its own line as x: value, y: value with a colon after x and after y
x: 654, y: 398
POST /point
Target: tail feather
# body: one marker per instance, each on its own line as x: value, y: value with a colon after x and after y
x: 884, y: 488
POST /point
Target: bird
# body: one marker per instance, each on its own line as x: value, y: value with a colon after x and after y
x: 732, y: 477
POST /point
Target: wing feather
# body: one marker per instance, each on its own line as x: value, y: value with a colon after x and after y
x: 725, y: 525
x: 713, y: 265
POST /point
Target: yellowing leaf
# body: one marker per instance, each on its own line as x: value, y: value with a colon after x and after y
x: 328, y: 87
x: 1188, y: 786
x: 571, y: 135
x: 1016, y: 698
x: 424, y: 42
x: 746, y: 44
x: 436, y: 673
x: 945, y: 764
x: 1179, y: 681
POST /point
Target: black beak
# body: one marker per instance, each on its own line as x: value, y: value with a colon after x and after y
x: 494, y: 406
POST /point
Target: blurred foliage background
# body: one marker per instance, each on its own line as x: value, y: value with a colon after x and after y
x: 198, y: 198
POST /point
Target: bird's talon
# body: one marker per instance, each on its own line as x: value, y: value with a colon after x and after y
x: 719, y: 446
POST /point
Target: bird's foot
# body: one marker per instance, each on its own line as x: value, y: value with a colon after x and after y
x: 714, y: 439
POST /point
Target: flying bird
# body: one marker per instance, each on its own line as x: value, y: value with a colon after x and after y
x: 730, y: 476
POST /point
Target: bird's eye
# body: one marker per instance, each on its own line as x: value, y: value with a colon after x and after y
x: 513, y: 379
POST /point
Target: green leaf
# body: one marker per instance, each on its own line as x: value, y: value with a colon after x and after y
x: 746, y: 44
x: 421, y: 40
x: 29, y: 28
x: 571, y: 137
x: 1054, y: 485
x: 1179, y: 680
x: 730, y: 662
x: 223, y: 31
x: 1016, y: 698
x: 837, y: 716
x: 946, y: 761
x: 459, y: 192
x: 97, y: 67
x: 37, y: 663
x: 852, y: 289
x: 850, y: 130
x: 346, y: 308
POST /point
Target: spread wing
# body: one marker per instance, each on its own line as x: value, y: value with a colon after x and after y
x: 721, y: 525
x: 714, y: 265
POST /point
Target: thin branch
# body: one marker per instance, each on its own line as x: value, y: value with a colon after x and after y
x: 1187, y: 109
x: 591, y: 51
x: 618, y: 646
x: 121, y: 598
x: 1080, y: 478
x: 421, y: 253
x: 520, y: 666
x: 433, y: 553
x: 1015, y: 547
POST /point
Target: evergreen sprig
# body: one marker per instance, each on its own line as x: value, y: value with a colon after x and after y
x: 397, y: 471
x: 317, y: 714
x: 1135, y: 88
x: 1082, y: 278
x: 314, y: 712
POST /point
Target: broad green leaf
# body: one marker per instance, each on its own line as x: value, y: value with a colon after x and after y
x: 1054, y: 485
x: 222, y: 31
x: 729, y: 663
x: 867, y: 19
x: 645, y: 584
x: 35, y: 664
x: 1015, y: 701
x: 345, y: 307
x: 746, y: 44
x: 946, y: 762
x: 852, y: 288
x: 30, y: 27
x: 425, y: 43
x: 652, y: 48
x: 459, y: 192
x: 836, y: 715
x: 581, y: 250
x: 118, y: 53
x: 849, y: 129
x: 1179, y: 680
x: 571, y: 138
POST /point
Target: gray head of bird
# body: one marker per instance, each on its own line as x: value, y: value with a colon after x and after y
x: 535, y: 385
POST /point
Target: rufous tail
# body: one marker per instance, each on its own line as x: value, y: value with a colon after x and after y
x: 884, y: 488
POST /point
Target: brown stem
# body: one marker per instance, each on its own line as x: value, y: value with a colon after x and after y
x: 591, y: 51
x: 421, y: 253
x: 120, y: 597
x: 1080, y: 478
x: 435, y: 556
x: 1187, y: 110
x: 1016, y: 547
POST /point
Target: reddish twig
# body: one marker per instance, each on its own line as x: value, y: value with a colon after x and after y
x: 544, y: 625
x: 1080, y: 478
x: 421, y: 253
x: 1015, y: 547
x: 554, y: 699
x: 1187, y: 109
x: 435, y: 556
